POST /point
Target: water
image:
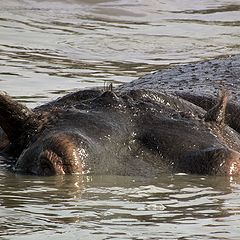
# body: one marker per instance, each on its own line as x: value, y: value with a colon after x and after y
x: 49, y: 48
x: 113, y: 207
x: 52, y: 47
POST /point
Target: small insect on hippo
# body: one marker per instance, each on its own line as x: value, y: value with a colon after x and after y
x: 127, y: 131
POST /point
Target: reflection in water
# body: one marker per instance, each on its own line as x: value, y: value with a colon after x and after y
x: 51, y: 47
x: 111, y: 206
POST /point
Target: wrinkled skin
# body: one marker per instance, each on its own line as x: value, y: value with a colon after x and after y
x: 199, y: 83
x: 128, y: 131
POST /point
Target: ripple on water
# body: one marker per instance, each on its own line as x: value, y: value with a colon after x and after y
x: 121, y: 207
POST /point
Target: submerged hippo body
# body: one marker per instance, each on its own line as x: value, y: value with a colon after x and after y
x: 133, y: 130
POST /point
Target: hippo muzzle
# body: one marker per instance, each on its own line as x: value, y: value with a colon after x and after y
x: 211, y: 161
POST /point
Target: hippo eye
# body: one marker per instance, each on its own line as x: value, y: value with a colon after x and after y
x: 50, y: 163
x: 47, y: 167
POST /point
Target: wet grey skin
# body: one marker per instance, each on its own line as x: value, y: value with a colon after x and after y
x: 126, y: 131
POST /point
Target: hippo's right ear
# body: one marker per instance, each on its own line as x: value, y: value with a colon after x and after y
x: 218, y: 112
x: 15, y: 118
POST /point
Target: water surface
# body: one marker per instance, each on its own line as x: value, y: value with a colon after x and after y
x: 114, y: 207
x: 49, y: 48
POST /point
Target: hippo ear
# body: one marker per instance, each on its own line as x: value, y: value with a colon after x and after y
x: 217, y: 113
x: 15, y: 118
x: 108, y: 87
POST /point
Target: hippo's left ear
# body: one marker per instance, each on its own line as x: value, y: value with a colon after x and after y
x: 15, y: 118
x: 217, y: 113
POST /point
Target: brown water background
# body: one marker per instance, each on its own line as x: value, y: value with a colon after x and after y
x: 49, y: 48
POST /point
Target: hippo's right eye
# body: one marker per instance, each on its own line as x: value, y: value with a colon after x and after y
x: 46, y: 167
x: 50, y: 163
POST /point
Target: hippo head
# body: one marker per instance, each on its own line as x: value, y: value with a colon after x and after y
x: 149, y: 131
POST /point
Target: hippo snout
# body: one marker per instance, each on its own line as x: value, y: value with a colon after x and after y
x: 232, y: 165
x: 211, y: 161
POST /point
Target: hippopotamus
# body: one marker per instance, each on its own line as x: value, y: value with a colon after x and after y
x: 181, y: 119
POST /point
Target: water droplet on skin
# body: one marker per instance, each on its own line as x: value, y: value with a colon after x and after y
x: 233, y: 168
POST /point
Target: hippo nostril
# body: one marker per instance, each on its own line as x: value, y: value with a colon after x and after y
x: 50, y: 163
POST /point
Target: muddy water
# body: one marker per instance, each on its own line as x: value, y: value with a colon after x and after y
x: 49, y: 48
x: 111, y: 207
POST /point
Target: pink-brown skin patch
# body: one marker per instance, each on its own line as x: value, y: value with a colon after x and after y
x: 59, y: 155
x: 233, y: 164
x: 51, y: 163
